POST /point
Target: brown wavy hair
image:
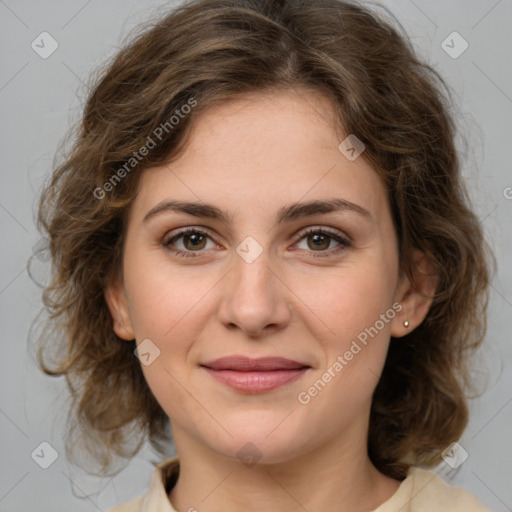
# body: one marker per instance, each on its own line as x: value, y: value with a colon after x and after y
x: 212, y: 50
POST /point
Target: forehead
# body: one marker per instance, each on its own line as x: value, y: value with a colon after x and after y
x: 268, y: 149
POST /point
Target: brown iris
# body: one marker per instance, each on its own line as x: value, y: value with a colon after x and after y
x: 318, y: 243
x: 195, y: 239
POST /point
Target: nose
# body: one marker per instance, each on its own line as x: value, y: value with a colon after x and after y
x: 254, y: 298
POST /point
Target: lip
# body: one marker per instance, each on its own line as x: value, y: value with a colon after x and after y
x: 255, y: 375
x: 248, y: 364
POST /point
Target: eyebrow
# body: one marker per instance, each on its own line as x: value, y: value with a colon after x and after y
x: 287, y: 213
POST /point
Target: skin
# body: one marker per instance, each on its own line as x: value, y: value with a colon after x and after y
x: 251, y: 156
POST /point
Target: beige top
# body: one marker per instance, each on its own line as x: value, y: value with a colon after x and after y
x: 421, y: 491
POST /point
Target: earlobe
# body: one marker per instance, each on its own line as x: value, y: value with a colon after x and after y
x: 117, y: 304
x: 416, y: 297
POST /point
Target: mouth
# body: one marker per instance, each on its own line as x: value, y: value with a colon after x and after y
x: 255, y: 375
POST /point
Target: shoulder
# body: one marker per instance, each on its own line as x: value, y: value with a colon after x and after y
x: 134, y: 505
x: 439, y: 495
x: 425, y: 491
x: 156, y: 497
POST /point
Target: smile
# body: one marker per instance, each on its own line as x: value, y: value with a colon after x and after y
x: 255, y: 375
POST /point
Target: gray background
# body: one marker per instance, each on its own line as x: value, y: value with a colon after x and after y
x: 40, y: 98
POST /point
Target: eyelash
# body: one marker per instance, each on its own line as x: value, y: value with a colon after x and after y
x: 344, y: 244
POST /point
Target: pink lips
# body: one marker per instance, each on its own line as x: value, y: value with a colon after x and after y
x: 254, y: 375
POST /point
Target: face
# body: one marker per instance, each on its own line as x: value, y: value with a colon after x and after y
x: 268, y: 279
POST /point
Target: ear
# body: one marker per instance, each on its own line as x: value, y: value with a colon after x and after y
x: 118, y: 306
x: 415, y: 297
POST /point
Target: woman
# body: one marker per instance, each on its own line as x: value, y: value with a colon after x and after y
x: 261, y: 234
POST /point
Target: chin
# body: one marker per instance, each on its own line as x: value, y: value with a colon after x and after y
x: 249, y: 453
x: 261, y: 442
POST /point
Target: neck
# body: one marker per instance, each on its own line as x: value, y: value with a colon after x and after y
x: 334, y: 476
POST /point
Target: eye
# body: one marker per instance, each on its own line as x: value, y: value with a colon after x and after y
x: 193, y: 241
x: 320, y: 241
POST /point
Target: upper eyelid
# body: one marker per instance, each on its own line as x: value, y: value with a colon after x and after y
x: 183, y: 231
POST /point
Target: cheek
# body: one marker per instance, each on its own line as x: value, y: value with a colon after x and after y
x: 349, y: 300
x: 169, y: 305
x: 358, y: 313
x: 167, y: 309
x: 165, y: 299
x: 350, y: 315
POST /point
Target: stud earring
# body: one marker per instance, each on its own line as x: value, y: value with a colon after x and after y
x: 406, y: 324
